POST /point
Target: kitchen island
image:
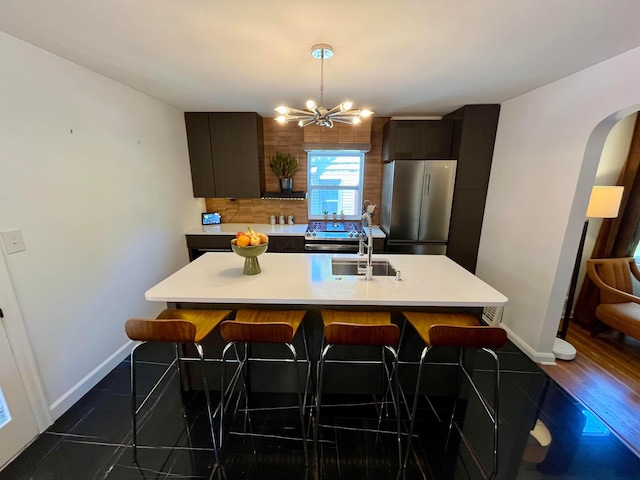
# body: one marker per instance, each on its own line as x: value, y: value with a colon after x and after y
x: 427, y: 282
x: 301, y: 279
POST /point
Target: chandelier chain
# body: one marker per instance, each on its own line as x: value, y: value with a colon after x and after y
x: 322, y: 77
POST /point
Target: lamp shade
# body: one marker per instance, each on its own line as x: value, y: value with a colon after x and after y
x: 604, y: 202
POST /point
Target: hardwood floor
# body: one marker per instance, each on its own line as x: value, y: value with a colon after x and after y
x: 605, y: 376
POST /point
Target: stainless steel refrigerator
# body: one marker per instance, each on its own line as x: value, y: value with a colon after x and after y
x: 416, y: 205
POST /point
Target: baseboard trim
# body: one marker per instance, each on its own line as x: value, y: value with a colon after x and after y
x: 76, y: 392
x: 545, y: 358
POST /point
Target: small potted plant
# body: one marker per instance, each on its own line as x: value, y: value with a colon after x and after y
x: 283, y: 166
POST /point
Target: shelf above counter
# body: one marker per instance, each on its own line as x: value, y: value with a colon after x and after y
x: 284, y: 196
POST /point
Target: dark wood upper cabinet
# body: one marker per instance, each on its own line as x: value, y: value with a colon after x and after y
x: 226, y: 151
x: 417, y: 140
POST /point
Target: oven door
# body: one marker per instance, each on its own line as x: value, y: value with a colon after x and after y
x: 320, y: 246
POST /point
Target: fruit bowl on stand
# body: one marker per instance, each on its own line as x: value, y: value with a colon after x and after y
x: 250, y: 252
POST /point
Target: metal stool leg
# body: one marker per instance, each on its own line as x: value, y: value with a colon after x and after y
x: 301, y: 406
x: 134, y: 423
x: 415, y: 405
x: 135, y: 409
x: 223, y: 392
x: 316, y: 430
x: 493, y: 416
x: 461, y: 370
x: 395, y: 392
x: 207, y: 396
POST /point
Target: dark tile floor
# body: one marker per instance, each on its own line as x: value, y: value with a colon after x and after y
x: 91, y: 440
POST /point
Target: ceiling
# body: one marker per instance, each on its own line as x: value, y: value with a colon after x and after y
x: 397, y: 57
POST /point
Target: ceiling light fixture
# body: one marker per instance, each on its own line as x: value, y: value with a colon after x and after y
x: 318, y: 114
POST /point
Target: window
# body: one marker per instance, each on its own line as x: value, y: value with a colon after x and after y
x: 335, y: 183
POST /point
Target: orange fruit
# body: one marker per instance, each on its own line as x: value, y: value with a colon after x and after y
x: 243, y: 240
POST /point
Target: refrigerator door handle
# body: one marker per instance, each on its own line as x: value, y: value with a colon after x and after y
x: 427, y: 184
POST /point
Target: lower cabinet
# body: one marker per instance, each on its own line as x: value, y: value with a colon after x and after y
x: 199, y: 244
x: 378, y: 245
x: 286, y: 244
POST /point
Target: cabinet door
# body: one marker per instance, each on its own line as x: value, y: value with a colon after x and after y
x: 417, y: 140
x: 199, y: 244
x: 466, y: 225
x: 199, y: 141
x: 286, y: 244
x: 435, y: 139
x: 404, y: 138
x: 237, y: 154
x: 226, y: 154
x: 378, y: 245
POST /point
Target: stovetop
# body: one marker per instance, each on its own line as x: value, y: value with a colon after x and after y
x: 335, y: 229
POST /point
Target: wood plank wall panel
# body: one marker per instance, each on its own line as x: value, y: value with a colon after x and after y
x: 290, y: 138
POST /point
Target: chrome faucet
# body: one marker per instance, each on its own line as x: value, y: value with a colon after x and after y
x: 368, y: 269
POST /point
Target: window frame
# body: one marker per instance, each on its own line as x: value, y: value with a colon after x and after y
x: 359, y: 189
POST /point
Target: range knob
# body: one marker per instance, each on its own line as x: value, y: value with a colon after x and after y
x: 314, y: 234
x: 307, y: 233
x: 350, y: 234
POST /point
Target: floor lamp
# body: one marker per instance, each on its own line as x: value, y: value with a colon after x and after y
x: 604, y: 203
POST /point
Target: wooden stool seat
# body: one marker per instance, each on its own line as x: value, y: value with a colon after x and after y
x: 455, y: 330
x: 175, y: 325
x: 359, y: 328
x: 361, y: 318
x: 179, y: 327
x: 262, y: 326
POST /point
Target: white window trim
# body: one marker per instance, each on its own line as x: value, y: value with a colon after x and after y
x: 359, y: 189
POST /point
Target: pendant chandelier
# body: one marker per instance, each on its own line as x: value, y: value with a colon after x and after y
x: 318, y: 114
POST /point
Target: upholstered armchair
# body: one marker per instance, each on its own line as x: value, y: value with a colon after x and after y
x: 618, y: 308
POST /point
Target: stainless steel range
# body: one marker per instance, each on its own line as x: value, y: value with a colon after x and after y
x: 333, y: 236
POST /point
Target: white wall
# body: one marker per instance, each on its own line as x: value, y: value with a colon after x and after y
x: 547, y: 151
x: 96, y: 175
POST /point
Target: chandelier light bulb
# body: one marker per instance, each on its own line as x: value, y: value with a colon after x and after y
x: 282, y: 110
x: 365, y: 113
x: 356, y: 120
x: 311, y: 105
x: 301, y: 123
x: 281, y: 119
x: 346, y: 106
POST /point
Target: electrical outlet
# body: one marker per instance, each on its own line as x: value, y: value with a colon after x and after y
x: 13, y: 241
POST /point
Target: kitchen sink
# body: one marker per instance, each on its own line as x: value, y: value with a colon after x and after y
x: 341, y: 266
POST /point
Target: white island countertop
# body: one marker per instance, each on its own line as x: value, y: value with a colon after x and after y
x: 297, y: 230
x: 306, y: 279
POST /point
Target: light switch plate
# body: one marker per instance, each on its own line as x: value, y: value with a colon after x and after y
x: 13, y: 242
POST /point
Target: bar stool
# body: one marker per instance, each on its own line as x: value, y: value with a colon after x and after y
x: 462, y: 331
x: 360, y: 328
x: 264, y: 326
x: 180, y: 327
